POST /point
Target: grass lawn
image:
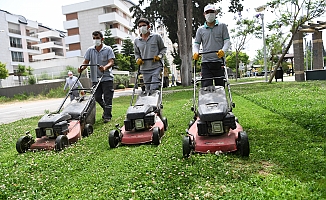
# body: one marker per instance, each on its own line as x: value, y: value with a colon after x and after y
x: 284, y: 121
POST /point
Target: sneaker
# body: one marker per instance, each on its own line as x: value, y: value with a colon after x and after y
x: 106, y: 120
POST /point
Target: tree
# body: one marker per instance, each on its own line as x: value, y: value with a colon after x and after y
x: 110, y: 41
x: 128, y: 51
x: 233, y: 60
x: 170, y: 16
x: 3, y: 72
x: 294, y: 14
x: 240, y: 35
x: 123, y: 62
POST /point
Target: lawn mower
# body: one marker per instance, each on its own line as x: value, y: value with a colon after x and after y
x: 65, y: 126
x: 144, y: 121
x: 214, y: 128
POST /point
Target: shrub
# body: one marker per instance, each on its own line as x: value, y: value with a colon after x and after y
x: 31, y: 80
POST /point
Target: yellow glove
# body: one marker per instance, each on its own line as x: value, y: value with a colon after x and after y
x: 156, y: 58
x: 196, y: 56
x: 220, y: 53
x: 139, y: 61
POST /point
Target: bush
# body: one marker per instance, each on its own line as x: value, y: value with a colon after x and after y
x: 31, y: 80
x: 121, y: 86
x: 131, y: 85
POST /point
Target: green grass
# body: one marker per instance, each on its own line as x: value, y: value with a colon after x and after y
x: 284, y: 122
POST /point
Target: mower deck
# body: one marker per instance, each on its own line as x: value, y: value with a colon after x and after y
x: 211, y: 144
x: 142, y: 136
x: 46, y: 143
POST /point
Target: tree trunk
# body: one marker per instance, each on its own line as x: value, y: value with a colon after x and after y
x: 189, y: 14
x: 182, y: 43
x: 281, y: 59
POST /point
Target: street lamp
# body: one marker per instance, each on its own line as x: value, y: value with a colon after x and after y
x: 261, y: 15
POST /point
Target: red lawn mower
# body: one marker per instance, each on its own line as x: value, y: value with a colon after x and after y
x: 58, y: 130
x: 214, y: 128
x: 144, y: 121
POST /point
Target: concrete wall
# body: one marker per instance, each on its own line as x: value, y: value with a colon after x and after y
x: 38, y: 88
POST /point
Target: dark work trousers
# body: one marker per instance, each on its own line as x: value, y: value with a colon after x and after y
x: 104, y: 96
x: 210, y: 70
x: 74, y: 94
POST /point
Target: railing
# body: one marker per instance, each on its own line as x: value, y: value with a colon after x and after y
x: 18, y: 59
x: 32, y: 47
x: 57, y: 43
x: 14, y: 31
x: 31, y: 34
x: 16, y: 45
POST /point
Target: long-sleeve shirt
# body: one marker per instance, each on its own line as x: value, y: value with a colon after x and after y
x: 147, y: 49
x: 70, y: 82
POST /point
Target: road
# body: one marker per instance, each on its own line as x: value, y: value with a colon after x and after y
x: 11, y: 112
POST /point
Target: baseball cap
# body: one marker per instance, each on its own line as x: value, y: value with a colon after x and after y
x: 70, y: 73
x: 209, y: 7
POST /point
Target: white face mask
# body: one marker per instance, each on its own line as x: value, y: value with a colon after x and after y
x: 143, y: 30
x: 97, y: 42
x: 210, y: 17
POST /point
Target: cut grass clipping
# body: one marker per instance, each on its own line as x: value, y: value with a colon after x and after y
x: 285, y: 123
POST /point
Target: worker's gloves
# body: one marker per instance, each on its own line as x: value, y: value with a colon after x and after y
x: 220, y: 53
x: 139, y: 61
x: 196, y: 56
x: 157, y: 58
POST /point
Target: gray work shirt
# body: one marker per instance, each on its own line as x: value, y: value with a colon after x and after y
x: 212, y: 39
x: 71, y: 81
x: 147, y: 49
x: 101, y: 57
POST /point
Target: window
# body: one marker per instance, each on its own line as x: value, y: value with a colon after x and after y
x: 17, y: 56
x: 15, y: 42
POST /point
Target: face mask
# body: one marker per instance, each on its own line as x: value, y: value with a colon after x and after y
x: 97, y: 42
x: 143, y: 30
x: 210, y: 17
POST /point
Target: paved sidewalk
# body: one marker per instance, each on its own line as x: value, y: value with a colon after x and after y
x: 10, y: 112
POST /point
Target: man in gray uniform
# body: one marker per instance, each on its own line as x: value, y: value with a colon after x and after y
x: 214, y: 37
x: 102, y: 55
x: 149, y: 45
x: 70, y: 81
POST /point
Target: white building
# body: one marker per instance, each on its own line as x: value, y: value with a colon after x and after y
x: 96, y: 15
x: 24, y: 41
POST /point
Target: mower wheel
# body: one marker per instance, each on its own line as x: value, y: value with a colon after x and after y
x: 186, y: 146
x: 165, y: 122
x: 156, y: 136
x: 61, y: 142
x: 114, y: 138
x: 23, y: 144
x: 88, y: 129
x: 243, y: 144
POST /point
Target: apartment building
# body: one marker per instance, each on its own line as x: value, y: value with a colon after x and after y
x: 85, y: 17
x: 24, y: 41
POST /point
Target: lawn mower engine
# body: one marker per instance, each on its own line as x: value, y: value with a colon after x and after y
x: 142, y: 115
x: 214, y: 115
x: 53, y: 125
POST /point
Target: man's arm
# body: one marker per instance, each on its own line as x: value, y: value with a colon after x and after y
x: 85, y: 62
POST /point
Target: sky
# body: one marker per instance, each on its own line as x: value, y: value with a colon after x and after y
x: 49, y: 13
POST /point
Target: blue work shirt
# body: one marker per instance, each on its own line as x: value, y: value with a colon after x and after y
x: 101, y: 57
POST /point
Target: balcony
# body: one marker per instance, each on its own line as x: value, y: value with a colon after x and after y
x: 15, y: 31
x: 72, y: 39
x: 114, y: 18
x: 70, y: 24
x: 47, y: 56
x: 51, y: 44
